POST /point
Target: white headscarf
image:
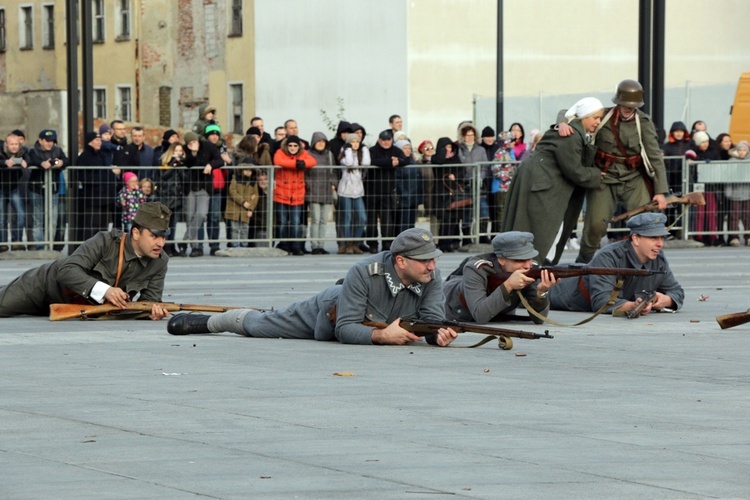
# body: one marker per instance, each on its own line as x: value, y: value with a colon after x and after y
x: 584, y: 107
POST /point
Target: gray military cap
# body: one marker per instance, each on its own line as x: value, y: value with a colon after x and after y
x: 648, y: 224
x: 153, y: 216
x: 515, y: 245
x: 415, y: 243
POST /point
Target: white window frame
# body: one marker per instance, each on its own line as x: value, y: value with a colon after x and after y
x: 123, y: 30
x: 104, y: 114
x: 95, y: 21
x: 231, y: 106
x: 22, y: 30
x: 118, y: 102
x: 48, y: 38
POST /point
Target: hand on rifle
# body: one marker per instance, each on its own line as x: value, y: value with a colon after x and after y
x: 662, y: 301
x: 117, y: 297
x: 548, y: 280
x: 661, y: 200
x: 158, y: 312
x: 517, y: 281
x: 632, y: 304
x: 393, y: 334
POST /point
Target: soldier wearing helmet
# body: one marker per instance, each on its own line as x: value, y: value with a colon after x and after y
x: 629, y: 155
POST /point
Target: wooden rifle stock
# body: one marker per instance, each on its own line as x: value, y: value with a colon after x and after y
x: 731, y: 320
x: 60, y: 312
x: 695, y: 198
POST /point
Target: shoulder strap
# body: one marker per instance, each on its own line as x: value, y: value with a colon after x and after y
x: 120, y: 260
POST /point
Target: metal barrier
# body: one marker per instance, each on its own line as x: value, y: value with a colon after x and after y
x: 65, y: 215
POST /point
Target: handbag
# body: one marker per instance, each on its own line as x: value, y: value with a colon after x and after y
x: 457, y: 196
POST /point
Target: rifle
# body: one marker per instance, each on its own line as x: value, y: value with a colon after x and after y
x: 497, y: 279
x: 60, y: 312
x: 648, y: 298
x: 735, y: 319
x: 423, y: 328
x: 693, y: 199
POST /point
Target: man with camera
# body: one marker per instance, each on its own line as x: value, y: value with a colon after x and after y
x: 12, y: 167
x: 46, y: 155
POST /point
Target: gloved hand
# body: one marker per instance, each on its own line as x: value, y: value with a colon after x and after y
x: 300, y: 164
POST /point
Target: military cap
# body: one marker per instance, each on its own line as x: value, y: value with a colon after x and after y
x: 648, y: 224
x: 154, y: 216
x: 415, y: 243
x: 515, y: 245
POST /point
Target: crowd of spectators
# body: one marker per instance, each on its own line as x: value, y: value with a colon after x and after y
x: 372, y: 192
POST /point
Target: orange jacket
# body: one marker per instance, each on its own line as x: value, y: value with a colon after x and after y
x: 289, y: 188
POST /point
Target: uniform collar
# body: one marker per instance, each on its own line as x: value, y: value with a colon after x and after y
x: 395, y: 285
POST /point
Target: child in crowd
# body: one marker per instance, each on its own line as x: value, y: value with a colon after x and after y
x: 130, y: 198
x: 243, y: 197
x: 147, y: 186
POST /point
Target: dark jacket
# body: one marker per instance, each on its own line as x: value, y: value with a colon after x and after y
x: 35, y: 157
x: 382, y: 181
x: 10, y: 177
x: 98, y: 187
x: 121, y: 156
x: 207, y: 154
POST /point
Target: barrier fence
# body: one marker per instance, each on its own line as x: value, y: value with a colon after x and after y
x: 74, y: 204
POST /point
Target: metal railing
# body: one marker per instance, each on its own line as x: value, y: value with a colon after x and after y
x: 711, y: 178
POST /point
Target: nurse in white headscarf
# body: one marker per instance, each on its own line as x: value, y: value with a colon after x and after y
x: 549, y: 187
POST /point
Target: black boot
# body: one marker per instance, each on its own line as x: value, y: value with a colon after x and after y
x: 186, y: 324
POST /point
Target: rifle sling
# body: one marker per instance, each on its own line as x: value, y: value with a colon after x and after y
x: 610, y: 302
x: 120, y: 260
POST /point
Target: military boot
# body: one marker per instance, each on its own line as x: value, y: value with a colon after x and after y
x: 186, y: 324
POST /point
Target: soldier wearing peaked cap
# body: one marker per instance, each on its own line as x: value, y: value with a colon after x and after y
x: 642, y: 250
x: 468, y: 292
x: 112, y: 266
x: 402, y: 282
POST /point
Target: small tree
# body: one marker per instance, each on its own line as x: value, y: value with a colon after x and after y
x: 328, y: 121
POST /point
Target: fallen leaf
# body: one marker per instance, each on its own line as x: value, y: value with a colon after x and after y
x: 520, y: 354
x: 695, y: 321
x: 344, y: 374
x: 486, y: 370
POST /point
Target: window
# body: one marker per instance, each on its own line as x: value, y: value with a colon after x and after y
x: 2, y: 30
x: 124, y: 104
x: 236, y: 27
x: 123, y: 20
x: 97, y: 13
x: 26, y: 28
x: 235, y: 114
x: 100, y: 103
x: 48, y: 26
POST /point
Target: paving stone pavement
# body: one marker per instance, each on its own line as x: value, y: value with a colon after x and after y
x: 650, y: 408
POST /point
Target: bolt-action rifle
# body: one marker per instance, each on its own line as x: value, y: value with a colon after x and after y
x: 423, y: 328
x: 60, y: 312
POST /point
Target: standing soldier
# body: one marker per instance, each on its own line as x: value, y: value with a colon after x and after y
x: 629, y: 155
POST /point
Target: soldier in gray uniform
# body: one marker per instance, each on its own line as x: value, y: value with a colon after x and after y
x: 475, y: 294
x: 642, y: 250
x: 403, y: 282
x: 629, y: 155
x: 90, y: 274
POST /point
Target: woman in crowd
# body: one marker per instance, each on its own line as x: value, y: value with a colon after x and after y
x: 447, y: 184
x: 705, y: 216
x: 470, y: 152
x: 170, y: 181
x: 549, y: 187
x: 410, y: 189
x: 351, y: 193
x: 289, y: 192
x: 320, y: 186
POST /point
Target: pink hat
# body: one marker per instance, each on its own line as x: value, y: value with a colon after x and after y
x: 128, y: 175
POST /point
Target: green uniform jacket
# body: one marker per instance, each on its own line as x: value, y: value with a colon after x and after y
x: 68, y: 279
x: 548, y: 188
x: 605, y: 140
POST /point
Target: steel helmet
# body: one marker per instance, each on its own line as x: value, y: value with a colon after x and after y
x: 629, y: 93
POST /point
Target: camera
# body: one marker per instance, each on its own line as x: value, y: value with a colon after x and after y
x: 54, y: 162
x: 17, y: 161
